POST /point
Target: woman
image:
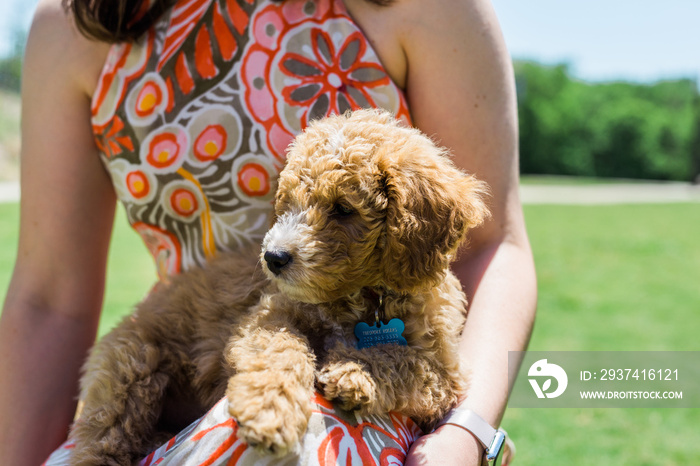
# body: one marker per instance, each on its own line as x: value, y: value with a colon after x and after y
x: 445, y: 58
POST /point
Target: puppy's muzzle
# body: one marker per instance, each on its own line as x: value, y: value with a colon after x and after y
x: 277, y: 260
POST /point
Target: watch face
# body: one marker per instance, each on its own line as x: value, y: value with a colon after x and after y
x: 498, y: 459
x: 494, y: 454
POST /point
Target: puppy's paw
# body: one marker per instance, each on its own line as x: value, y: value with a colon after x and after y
x: 90, y: 455
x: 349, y: 384
x: 269, y: 420
x: 95, y: 444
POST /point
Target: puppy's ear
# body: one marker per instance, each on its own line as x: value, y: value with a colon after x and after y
x: 431, y: 206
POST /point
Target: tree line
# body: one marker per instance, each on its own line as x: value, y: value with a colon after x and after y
x: 617, y: 129
x: 11, y: 65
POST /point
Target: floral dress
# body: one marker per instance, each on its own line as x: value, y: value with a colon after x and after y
x: 192, y: 122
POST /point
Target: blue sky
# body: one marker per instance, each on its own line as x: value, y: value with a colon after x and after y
x: 15, y: 15
x: 639, y: 40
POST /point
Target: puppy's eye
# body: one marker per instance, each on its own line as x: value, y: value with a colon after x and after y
x: 342, y: 210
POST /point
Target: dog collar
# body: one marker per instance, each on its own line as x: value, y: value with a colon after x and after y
x: 376, y: 296
x: 379, y: 332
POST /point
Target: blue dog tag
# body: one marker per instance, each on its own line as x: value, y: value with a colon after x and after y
x: 380, y: 333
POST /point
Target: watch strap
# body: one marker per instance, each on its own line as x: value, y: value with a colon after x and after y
x: 472, y: 422
x: 493, y: 440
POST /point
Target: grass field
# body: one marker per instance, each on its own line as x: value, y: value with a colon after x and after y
x: 610, y: 278
x: 565, y: 180
x: 623, y: 278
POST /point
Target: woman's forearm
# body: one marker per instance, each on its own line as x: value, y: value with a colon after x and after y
x: 501, y: 285
x: 499, y: 279
x: 53, y: 304
x: 40, y: 357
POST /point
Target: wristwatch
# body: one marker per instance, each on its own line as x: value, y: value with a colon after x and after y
x: 491, y: 439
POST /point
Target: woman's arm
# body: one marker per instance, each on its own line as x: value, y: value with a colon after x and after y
x: 53, y: 304
x: 461, y: 90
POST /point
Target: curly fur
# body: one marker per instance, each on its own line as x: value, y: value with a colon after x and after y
x: 364, y: 206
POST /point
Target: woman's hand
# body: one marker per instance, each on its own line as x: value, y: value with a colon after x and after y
x: 448, y: 445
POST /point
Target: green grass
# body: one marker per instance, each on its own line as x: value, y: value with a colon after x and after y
x: 564, y: 180
x: 625, y: 277
x: 613, y: 278
x: 9, y: 221
x: 610, y: 278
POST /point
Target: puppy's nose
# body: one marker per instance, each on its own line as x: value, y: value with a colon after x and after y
x: 277, y: 260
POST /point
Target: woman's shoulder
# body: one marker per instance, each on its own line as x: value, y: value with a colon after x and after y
x: 447, y: 23
x: 402, y: 31
x: 59, y: 50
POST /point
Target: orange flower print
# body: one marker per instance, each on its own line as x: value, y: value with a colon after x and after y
x: 211, y: 143
x: 137, y: 183
x: 184, y: 202
x: 307, y: 60
x: 165, y: 150
x: 148, y: 99
x: 254, y: 180
x: 216, y: 133
x: 331, y: 81
x: 133, y: 183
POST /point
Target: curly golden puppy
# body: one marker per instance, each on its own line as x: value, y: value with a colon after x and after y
x: 354, y: 297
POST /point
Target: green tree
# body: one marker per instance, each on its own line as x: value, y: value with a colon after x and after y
x: 11, y: 66
x: 570, y: 127
x: 695, y: 141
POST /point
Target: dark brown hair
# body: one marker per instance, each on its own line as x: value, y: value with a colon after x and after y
x: 123, y: 20
x: 116, y: 21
